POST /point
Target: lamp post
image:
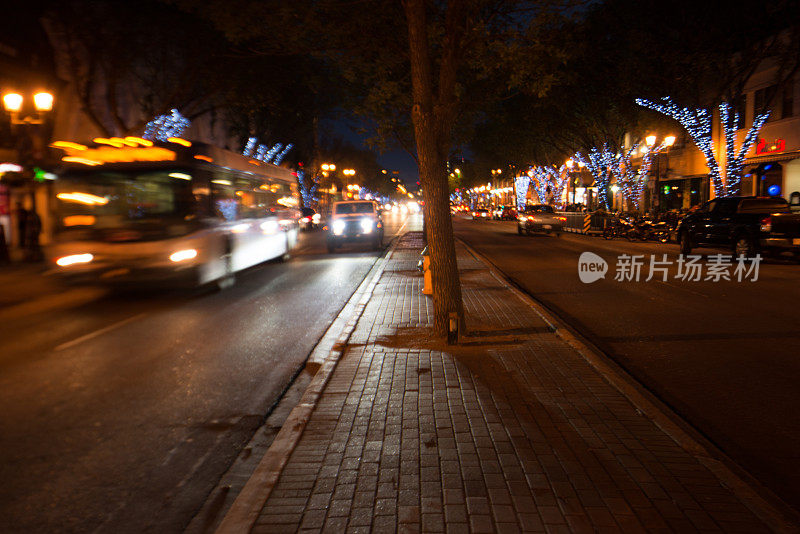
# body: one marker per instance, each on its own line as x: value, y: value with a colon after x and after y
x: 496, y: 184
x: 30, y: 152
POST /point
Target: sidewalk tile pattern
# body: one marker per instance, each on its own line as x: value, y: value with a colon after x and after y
x: 511, y: 432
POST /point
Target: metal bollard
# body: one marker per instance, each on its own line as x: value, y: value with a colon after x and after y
x: 452, y: 329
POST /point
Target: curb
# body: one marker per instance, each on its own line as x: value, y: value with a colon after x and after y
x: 244, y: 511
x: 768, y: 507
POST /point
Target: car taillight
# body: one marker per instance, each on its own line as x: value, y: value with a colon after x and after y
x: 766, y: 224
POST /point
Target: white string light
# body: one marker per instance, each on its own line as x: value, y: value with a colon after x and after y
x: 522, y: 182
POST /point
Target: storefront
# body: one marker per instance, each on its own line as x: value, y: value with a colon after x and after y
x: 682, y: 193
x: 772, y: 175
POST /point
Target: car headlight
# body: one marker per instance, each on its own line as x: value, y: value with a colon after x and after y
x: 66, y: 261
x: 366, y: 225
x: 183, y: 255
x: 522, y: 218
x: 338, y: 226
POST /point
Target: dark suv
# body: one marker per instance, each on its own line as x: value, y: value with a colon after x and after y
x: 745, y: 225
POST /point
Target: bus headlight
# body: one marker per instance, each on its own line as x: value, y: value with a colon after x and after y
x: 183, y: 255
x: 338, y: 226
x: 366, y: 225
x: 74, y: 259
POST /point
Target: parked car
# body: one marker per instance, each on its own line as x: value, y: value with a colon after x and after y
x: 480, y: 214
x: 309, y: 219
x: 745, y: 225
x: 355, y: 221
x: 540, y: 218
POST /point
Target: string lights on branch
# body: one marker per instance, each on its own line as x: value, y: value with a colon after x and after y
x: 522, y: 182
x: 263, y: 153
x: 165, y: 126
x: 697, y: 123
x: 600, y: 163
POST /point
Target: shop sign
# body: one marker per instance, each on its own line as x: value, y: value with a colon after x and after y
x: 778, y: 145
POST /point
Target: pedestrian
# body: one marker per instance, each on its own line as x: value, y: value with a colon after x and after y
x: 33, y: 228
x: 22, y: 224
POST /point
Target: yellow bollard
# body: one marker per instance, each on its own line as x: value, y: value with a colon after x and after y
x: 428, y: 277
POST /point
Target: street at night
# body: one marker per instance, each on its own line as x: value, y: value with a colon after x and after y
x: 399, y: 266
x: 122, y: 414
x: 722, y: 354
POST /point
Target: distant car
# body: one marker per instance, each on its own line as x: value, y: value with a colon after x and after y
x: 508, y: 214
x: 480, y: 214
x: 354, y: 221
x: 540, y: 218
x: 309, y: 219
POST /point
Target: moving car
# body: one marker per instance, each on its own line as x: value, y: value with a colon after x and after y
x: 309, y: 219
x: 745, y: 225
x: 540, y: 218
x: 508, y: 214
x: 480, y: 214
x: 355, y: 221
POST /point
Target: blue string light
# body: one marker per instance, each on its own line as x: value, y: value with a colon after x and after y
x: 166, y: 126
x: 283, y: 153
x: 251, y: 144
x: 600, y: 163
x: 697, y: 123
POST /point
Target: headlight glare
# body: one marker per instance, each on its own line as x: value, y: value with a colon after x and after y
x: 366, y: 225
x: 183, y: 255
x: 338, y: 226
x: 73, y: 259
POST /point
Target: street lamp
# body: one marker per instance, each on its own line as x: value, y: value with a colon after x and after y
x: 13, y: 104
x: 30, y: 152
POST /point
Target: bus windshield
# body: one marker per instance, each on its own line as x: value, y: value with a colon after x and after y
x: 119, y: 199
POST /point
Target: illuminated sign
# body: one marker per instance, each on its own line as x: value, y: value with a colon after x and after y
x: 778, y: 145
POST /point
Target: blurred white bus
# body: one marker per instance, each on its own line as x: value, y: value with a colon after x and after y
x: 129, y: 210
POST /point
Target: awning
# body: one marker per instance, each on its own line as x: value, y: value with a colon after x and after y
x: 771, y: 158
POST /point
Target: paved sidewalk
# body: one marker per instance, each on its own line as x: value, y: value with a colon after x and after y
x: 513, y: 430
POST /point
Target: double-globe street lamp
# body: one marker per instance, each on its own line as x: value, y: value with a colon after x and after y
x: 30, y: 145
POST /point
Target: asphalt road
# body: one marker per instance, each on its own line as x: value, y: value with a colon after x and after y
x: 724, y: 355
x: 121, y: 415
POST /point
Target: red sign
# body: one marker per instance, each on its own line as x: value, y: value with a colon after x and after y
x: 779, y: 145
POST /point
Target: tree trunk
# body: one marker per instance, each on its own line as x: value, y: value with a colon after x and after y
x: 432, y: 125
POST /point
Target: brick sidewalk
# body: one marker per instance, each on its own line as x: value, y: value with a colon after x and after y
x: 510, y: 431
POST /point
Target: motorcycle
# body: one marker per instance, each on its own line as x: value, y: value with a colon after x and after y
x: 647, y: 230
x: 616, y: 227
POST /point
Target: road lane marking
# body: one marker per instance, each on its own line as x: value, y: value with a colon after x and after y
x: 96, y: 333
x: 401, y: 227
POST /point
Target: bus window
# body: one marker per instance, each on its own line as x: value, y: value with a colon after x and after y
x: 224, y: 202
